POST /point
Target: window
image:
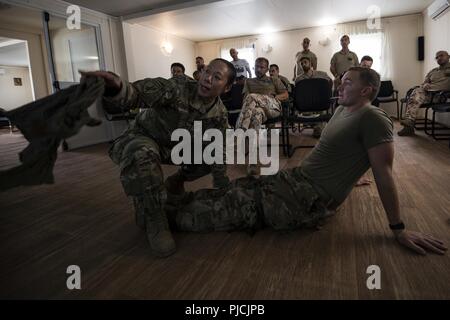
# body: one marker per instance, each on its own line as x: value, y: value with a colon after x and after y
x: 368, y: 45
x: 243, y: 53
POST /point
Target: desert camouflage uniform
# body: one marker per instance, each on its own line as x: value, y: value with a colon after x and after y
x: 284, y: 201
x: 438, y: 79
x: 257, y: 108
x: 259, y: 102
x: 140, y: 150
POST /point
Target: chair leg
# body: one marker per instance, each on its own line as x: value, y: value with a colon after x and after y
x: 433, y: 124
x: 401, y: 111
x: 398, y: 111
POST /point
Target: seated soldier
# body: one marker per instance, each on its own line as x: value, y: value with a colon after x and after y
x: 262, y: 101
x: 274, y: 72
x: 140, y: 150
x: 196, y: 75
x: 366, y: 62
x: 309, y: 73
x: 358, y: 136
x: 177, y: 70
x: 437, y: 79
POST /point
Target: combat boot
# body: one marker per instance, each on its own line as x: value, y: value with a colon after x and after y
x: 317, y: 131
x: 408, y: 128
x: 158, y: 233
x: 139, y: 212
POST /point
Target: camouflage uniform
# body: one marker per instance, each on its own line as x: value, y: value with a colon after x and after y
x: 418, y: 97
x: 45, y: 123
x: 284, y: 201
x: 437, y: 79
x: 256, y: 109
x: 259, y: 102
x: 140, y: 150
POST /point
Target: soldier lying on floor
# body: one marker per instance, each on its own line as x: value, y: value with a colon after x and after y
x: 358, y: 136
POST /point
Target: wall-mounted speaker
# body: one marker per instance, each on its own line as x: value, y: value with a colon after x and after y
x: 421, y: 48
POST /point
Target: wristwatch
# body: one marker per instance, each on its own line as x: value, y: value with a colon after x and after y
x: 398, y: 226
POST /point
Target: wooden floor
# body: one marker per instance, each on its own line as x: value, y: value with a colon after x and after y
x: 85, y: 219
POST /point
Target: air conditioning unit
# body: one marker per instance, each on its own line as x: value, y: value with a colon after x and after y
x: 438, y: 8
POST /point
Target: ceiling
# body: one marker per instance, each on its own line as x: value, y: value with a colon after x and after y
x: 120, y: 8
x: 232, y: 18
x: 13, y: 52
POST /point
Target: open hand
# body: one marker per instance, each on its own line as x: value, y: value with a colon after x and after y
x: 111, y: 80
x: 421, y: 243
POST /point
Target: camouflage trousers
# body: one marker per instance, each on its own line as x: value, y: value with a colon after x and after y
x: 256, y: 109
x: 284, y: 201
x: 418, y: 97
x: 139, y: 158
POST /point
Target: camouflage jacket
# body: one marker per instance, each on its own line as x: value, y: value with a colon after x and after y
x: 168, y: 105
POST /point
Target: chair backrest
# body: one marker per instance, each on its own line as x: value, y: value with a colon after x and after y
x: 233, y: 99
x: 312, y: 95
x: 386, y: 89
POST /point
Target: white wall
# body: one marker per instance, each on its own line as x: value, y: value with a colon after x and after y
x: 144, y: 57
x: 437, y: 37
x: 28, y: 21
x: 407, y: 70
x: 12, y: 96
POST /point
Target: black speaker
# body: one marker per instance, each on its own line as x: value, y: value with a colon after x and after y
x: 421, y: 48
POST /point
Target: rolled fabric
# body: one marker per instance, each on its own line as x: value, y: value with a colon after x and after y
x: 45, y: 123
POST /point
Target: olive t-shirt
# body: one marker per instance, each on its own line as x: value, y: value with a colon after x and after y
x: 341, y: 158
x: 265, y: 85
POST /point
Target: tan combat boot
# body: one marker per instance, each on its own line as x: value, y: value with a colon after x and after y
x: 158, y: 233
x: 408, y: 128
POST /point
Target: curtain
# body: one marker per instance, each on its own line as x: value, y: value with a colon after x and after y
x: 239, y: 43
x: 361, y: 28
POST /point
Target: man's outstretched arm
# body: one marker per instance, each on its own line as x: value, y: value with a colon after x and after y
x: 381, y: 159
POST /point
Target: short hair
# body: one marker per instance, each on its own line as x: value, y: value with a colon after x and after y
x: 369, y: 77
x: 274, y: 66
x: 177, y: 64
x: 366, y: 58
x: 195, y: 73
x: 230, y: 67
x: 199, y: 58
x: 306, y: 39
x: 345, y: 36
x: 262, y: 59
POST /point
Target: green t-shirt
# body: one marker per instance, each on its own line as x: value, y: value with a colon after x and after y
x: 266, y: 85
x: 344, y: 61
x: 341, y: 158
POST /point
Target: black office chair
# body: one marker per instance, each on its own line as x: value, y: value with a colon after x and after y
x: 233, y: 102
x: 5, y: 121
x: 310, y: 95
x: 440, y: 104
x: 388, y: 94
